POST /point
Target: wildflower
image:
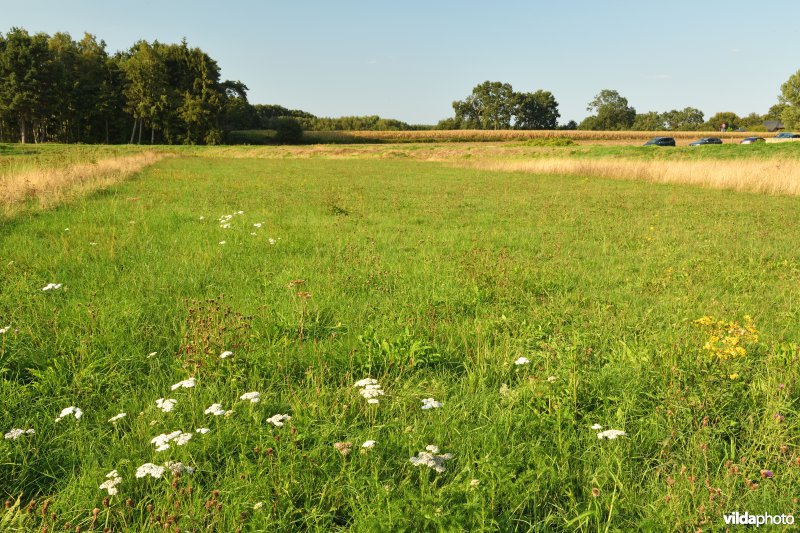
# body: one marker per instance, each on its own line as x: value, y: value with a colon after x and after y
x: 72, y: 410
x: 278, y: 420
x: 166, y: 405
x: 149, y: 469
x: 253, y: 233
x: 552, y: 379
x: 110, y: 484
x: 504, y: 390
x: 51, y: 286
x: 344, y: 448
x: 369, y: 444
x: 16, y: 433
x: 215, y: 409
x: 186, y: 384
x: 240, y: 212
x: 430, y: 403
x: 222, y: 242
x: 152, y: 354
x: 202, y: 431
x: 431, y: 458
x: 92, y: 244
x: 179, y: 468
x: 258, y: 505
x: 257, y: 225
x: 370, y: 390
x: 271, y: 241
x: 178, y: 437
x: 522, y: 361
x: 779, y: 417
x: 225, y: 354
x: 733, y: 376
x: 202, y: 217
x: 474, y: 483
x: 117, y: 417
x: 254, y: 397
x: 225, y: 226
x: 596, y: 427
x: 5, y: 330
x: 611, y: 434
x: 766, y: 474
x: 595, y: 492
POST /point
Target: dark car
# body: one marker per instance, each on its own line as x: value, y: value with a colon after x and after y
x: 787, y: 135
x: 753, y: 140
x: 706, y: 140
x: 660, y: 141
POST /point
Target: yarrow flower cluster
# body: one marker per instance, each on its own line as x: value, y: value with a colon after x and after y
x: 522, y: 361
x: 278, y: 420
x: 179, y: 468
x: 5, y: 330
x: 370, y: 389
x: 178, y: 437
x: 369, y: 444
x: 51, y: 286
x: 431, y: 458
x: 202, y: 431
x: 225, y: 220
x: 430, y: 403
x: 254, y: 396
x: 110, y: 484
x: 16, y: 433
x: 117, y: 417
x: 149, y: 469
x: 71, y: 410
x: 225, y: 354
x: 166, y: 405
x: 215, y: 409
x: 185, y: 384
x: 610, y: 434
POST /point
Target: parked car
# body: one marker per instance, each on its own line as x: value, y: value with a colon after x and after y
x: 660, y: 141
x: 753, y: 140
x: 787, y: 135
x: 706, y: 140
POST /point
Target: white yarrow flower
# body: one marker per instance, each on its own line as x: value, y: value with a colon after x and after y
x: 16, y: 433
x: 51, y: 286
x: 254, y: 396
x: 110, y: 484
x: 431, y: 458
x: 166, y: 405
x: 225, y: 354
x: 71, y: 410
x: 185, y: 384
x: 278, y: 420
x: 522, y: 361
x: 202, y: 431
x: 179, y: 468
x: 611, y: 434
x: 5, y: 330
x: 597, y: 427
x: 369, y: 444
x: 215, y: 409
x: 117, y: 417
x: 430, y: 403
x: 149, y: 469
x: 552, y: 379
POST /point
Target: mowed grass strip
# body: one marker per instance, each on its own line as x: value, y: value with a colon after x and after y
x: 432, y: 280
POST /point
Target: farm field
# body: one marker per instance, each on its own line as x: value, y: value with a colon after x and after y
x: 246, y: 306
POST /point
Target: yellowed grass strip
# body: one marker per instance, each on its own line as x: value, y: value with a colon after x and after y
x: 50, y: 186
x: 767, y: 176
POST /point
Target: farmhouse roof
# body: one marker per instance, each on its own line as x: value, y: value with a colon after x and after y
x: 773, y: 125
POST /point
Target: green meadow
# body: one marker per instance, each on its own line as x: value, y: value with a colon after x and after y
x: 529, y: 308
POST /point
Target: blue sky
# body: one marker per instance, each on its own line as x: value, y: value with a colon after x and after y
x: 409, y: 60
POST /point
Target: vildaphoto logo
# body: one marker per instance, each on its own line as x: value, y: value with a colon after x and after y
x: 746, y: 519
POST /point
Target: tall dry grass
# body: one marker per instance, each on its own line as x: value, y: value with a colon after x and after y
x: 763, y: 176
x: 50, y: 186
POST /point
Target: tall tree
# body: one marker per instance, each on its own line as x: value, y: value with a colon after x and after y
x: 145, y: 90
x: 490, y: 106
x: 25, y: 77
x: 535, y: 111
x: 790, y: 98
x: 612, y: 111
x: 686, y: 119
x: 650, y: 121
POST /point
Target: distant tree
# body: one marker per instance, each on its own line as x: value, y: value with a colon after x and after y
x: 753, y: 122
x: 571, y: 125
x: 612, y: 111
x: 287, y: 130
x: 25, y: 78
x: 775, y: 112
x: 146, y: 85
x: 790, y: 98
x: 724, y: 117
x: 651, y: 121
x: 490, y: 106
x: 589, y: 123
x: 686, y: 119
x: 535, y: 111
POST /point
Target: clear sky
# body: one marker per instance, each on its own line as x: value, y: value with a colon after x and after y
x: 410, y: 59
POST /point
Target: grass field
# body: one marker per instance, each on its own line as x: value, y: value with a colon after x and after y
x: 530, y: 307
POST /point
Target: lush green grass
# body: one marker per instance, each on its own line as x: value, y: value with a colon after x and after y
x: 433, y: 281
